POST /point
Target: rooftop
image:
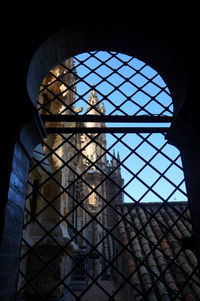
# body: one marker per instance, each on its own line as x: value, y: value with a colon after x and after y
x: 149, y: 251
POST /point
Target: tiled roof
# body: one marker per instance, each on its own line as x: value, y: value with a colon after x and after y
x: 154, y: 260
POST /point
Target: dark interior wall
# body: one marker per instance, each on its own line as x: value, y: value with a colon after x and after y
x: 12, y: 214
x: 175, y: 27
x: 13, y: 222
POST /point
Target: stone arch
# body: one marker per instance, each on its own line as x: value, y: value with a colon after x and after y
x: 139, y: 44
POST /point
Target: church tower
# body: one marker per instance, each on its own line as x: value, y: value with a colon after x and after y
x: 100, y: 190
x: 95, y: 163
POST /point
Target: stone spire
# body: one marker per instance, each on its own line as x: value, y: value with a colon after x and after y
x: 115, y: 162
x: 119, y: 166
x: 93, y: 106
x: 102, y: 108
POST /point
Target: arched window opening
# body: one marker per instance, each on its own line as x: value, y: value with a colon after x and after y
x: 111, y: 200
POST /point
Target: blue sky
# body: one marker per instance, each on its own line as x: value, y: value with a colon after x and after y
x: 143, y: 83
x: 144, y: 93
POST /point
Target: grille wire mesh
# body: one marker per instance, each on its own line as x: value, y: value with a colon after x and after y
x: 80, y: 193
x: 140, y: 90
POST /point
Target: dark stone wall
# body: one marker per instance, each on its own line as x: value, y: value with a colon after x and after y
x: 12, y: 216
x: 14, y: 212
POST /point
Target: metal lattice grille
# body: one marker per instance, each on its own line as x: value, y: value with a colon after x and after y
x: 138, y: 89
x: 106, y: 205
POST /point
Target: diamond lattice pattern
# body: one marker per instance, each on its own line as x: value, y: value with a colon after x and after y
x: 126, y: 86
x: 106, y: 213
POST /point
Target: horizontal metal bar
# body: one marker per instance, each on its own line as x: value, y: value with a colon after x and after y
x: 108, y: 130
x: 105, y: 118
